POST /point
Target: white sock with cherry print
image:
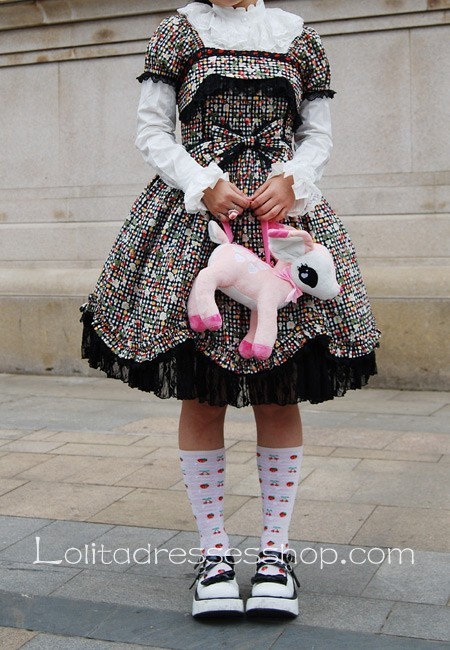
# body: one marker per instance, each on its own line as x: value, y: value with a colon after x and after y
x: 204, y: 478
x: 279, y: 474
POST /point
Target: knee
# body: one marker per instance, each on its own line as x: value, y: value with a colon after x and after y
x: 203, y: 413
x: 275, y: 415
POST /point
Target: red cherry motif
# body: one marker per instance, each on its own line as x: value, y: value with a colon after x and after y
x: 201, y: 460
x: 220, y: 499
x: 257, y: 454
x: 270, y: 543
x: 273, y: 469
x: 220, y: 571
x: 293, y: 457
x: 264, y: 568
x: 204, y: 486
x: 265, y: 527
x: 282, y: 514
x: 290, y: 483
x: 271, y: 498
x: 210, y: 515
x: 218, y: 546
x: 221, y: 470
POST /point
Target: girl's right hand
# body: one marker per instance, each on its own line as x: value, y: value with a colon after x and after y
x: 225, y: 196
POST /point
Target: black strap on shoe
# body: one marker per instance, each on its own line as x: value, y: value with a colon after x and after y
x: 208, y: 562
x: 275, y: 558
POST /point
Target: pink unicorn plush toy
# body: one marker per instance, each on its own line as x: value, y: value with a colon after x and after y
x: 302, y: 266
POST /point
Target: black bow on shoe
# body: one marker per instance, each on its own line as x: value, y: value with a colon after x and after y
x: 278, y: 559
x: 208, y: 562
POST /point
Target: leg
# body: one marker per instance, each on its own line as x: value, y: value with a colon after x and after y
x: 279, y: 454
x: 207, y: 316
x: 266, y: 330
x: 202, y: 456
x: 201, y: 425
x: 246, y: 345
x: 278, y: 426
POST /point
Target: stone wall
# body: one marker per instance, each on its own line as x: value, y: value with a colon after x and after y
x: 69, y: 169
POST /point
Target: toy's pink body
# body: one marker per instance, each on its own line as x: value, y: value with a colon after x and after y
x: 240, y: 274
x: 243, y: 276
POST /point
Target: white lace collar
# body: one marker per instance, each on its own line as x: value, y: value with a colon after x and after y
x: 254, y: 28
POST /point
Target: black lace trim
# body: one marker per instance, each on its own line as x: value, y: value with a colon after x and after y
x: 311, y: 374
x: 272, y: 87
x: 316, y: 94
x: 157, y: 76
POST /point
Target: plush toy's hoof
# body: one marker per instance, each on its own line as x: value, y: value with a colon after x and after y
x: 261, y: 351
x: 196, y: 323
x: 213, y: 323
x: 246, y: 349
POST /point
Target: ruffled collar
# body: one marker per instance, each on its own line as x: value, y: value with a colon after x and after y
x: 253, y: 12
x: 254, y: 28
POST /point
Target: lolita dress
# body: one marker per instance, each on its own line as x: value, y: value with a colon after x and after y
x: 249, y: 86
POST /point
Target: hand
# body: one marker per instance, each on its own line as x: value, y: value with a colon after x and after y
x: 273, y: 200
x: 225, y: 196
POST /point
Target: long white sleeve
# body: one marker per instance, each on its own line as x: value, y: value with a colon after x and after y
x: 156, y: 120
x: 313, y: 146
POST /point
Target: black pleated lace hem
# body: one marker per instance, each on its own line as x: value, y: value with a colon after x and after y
x: 311, y: 374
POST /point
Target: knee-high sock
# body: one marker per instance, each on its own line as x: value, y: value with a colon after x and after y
x: 279, y: 473
x: 204, y: 477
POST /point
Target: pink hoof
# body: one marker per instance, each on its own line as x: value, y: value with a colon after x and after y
x: 246, y: 349
x: 213, y: 323
x: 196, y: 323
x: 262, y: 351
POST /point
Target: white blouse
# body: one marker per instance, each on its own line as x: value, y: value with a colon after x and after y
x: 270, y: 30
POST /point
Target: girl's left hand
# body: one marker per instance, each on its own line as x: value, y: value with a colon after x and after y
x: 273, y: 200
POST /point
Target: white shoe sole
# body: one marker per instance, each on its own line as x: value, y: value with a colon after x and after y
x: 217, y: 607
x: 266, y: 605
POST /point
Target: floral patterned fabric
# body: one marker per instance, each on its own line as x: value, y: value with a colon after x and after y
x: 243, y: 120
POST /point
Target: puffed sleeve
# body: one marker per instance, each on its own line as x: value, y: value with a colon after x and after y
x: 314, y: 66
x: 166, y: 52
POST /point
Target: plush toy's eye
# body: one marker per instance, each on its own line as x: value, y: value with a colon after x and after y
x: 307, y: 275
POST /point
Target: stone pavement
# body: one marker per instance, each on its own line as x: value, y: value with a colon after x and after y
x: 86, y: 462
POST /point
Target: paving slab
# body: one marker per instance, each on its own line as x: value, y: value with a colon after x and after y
x: 342, y: 612
x: 419, y: 621
x: 422, y: 442
x: 313, y: 638
x: 8, y: 485
x: 56, y: 642
x: 13, y: 529
x: 51, y: 543
x: 121, y: 546
x: 83, y: 469
x: 334, y: 522
x: 399, y: 483
x: 13, y: 463
x: 157, y: 509
x: 423, y: 529
x: 12, y: 434
x: 58, y: 500
x: 13, y: 639
x: 34, y: 580
x: 337, y: 569
x: 420, y: 577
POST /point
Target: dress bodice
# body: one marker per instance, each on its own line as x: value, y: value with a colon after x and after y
x: 230, y: 101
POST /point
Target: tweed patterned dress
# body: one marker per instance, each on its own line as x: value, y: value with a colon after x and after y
x: 239, y: 109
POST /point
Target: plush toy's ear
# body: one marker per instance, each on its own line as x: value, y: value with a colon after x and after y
x: 289, y: 244
x: 216, y: 233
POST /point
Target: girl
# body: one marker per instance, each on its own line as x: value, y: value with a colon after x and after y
x: 252, y: 86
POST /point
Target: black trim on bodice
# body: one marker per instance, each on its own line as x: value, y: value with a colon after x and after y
x: 273, y: 86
